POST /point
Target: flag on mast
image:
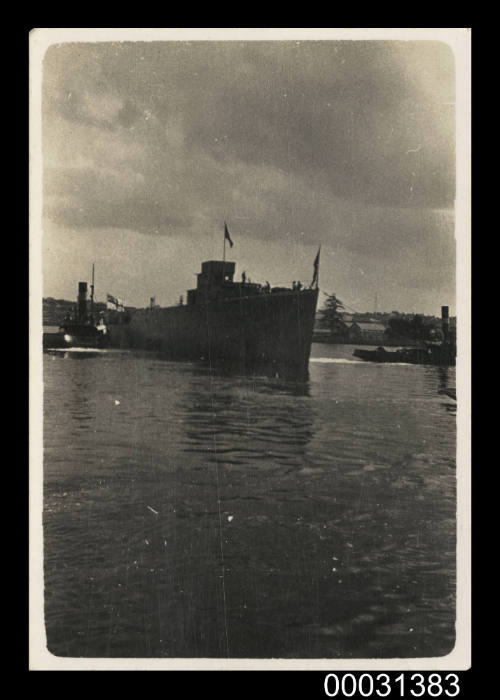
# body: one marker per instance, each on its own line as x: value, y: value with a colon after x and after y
x: 114, y: 303
x: 227, y: 237
x: 316, y: 269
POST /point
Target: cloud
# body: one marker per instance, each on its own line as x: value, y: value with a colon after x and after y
x: 129, y: 114
x: 349, y: 111
x: 346, y: 143
x: 109, y: 198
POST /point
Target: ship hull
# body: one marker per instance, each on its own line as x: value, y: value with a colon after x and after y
x: 273, y: 330
x: 76, y: 335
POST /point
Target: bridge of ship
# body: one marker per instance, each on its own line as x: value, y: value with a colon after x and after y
x: 216, y: 281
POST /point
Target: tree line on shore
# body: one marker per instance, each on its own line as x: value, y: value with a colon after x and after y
x: 399, y: 326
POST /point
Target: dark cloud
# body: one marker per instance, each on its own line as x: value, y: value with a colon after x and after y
x: 355, y: 112
x: 347, y: 143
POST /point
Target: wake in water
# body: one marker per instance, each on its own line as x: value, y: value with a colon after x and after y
x: 336, y: 360
x: 93, y: 351
x: 344, y: 361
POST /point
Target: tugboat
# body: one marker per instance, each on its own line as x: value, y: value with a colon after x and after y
x: 408, y: 355
x: 430, y: 353
x: 83, y: 329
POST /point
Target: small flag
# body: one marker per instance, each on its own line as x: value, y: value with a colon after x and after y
x: 316, y: 269
x: 227, y: 237
x: 117, y: 303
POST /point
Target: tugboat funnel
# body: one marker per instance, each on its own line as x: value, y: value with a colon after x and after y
x: 445, y: 323
x: 82, y: 301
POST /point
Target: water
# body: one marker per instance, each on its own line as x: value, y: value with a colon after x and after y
x: 189, y: 514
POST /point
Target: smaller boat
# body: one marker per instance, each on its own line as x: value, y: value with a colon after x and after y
x: 442, y: 353
x: 83, y: 328
x: 428, y: 354
x: 84, y: 334
x: 408, y: 355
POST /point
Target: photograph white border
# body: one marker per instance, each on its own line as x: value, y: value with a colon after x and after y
x: 459, y: 41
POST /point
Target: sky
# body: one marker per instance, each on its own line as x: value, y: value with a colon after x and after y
x: 148, y: 147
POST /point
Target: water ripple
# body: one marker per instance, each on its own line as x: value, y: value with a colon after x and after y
x: 322, y: 516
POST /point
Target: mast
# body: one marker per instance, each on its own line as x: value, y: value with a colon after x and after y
x: 226, y: 235
x: 224, y: 253
x: 92, y: 292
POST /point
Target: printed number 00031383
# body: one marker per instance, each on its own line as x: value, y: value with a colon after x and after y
x: 367, y: 685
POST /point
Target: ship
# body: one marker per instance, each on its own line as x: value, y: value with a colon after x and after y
x: 82, y: 328
x: 442, y: 353
x: 428, y: 354
x: 228, y: 324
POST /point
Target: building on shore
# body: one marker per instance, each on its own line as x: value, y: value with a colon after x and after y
x: 368, y: 333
